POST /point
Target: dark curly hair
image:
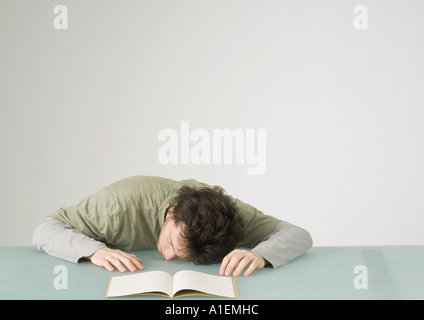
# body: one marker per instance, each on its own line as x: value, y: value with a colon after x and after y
x: 210, y: 222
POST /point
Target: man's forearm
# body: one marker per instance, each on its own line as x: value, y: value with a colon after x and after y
x: 62, y: 241
x: 286, y: 243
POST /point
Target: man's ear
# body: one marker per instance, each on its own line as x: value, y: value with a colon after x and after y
x: 169, y: 211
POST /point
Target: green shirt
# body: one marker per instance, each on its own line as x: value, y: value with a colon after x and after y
x: 129, y: 213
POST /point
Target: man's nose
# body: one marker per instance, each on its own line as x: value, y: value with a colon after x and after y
x: 169, y: 254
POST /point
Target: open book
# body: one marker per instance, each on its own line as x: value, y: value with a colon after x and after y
x: 183, y: 283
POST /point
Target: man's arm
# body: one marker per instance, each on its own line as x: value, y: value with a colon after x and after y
x: 62, y: 241
x: 286, y: 243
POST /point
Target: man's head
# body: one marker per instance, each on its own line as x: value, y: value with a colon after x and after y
x: 203, y: 226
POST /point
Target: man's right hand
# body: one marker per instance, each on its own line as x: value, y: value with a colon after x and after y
x: 122, y: 261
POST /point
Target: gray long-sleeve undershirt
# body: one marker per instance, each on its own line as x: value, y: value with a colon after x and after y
x: 60, y: 240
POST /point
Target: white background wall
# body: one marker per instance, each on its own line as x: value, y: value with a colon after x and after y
x: 343, y: 108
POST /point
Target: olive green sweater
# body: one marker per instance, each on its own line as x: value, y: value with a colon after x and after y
x: 129, y: 214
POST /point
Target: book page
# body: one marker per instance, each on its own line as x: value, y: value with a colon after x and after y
x: 215, y: 285
x: 153, y: 281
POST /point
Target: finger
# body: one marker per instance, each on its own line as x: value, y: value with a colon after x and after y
x: 225, y: 262
x: 131, y: 262
x: 127, y: 263
x: 117, y: 263
x: 124, y: 260
x: 135, y: 261
x: 108, y: 266
x: 127, y: 258
x: 252, y: 267
x: 233, y: 263
x: 242, y: 264
x: 130, y: 256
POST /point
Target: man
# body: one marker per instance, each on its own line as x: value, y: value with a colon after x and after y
x: 183, y: 219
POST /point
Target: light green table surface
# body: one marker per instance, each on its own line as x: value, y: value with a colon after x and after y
x: 394, y: 272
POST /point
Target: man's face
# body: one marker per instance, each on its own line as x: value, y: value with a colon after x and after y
x: 169, y: 243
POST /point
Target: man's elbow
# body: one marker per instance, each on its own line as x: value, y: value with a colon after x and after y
x: 43, y: 233
x: 307, y: 239
x: 301, y: 239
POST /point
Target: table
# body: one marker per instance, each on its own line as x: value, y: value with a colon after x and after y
x: 383, y: 272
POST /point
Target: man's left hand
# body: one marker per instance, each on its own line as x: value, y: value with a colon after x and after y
x: 239, y: 260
